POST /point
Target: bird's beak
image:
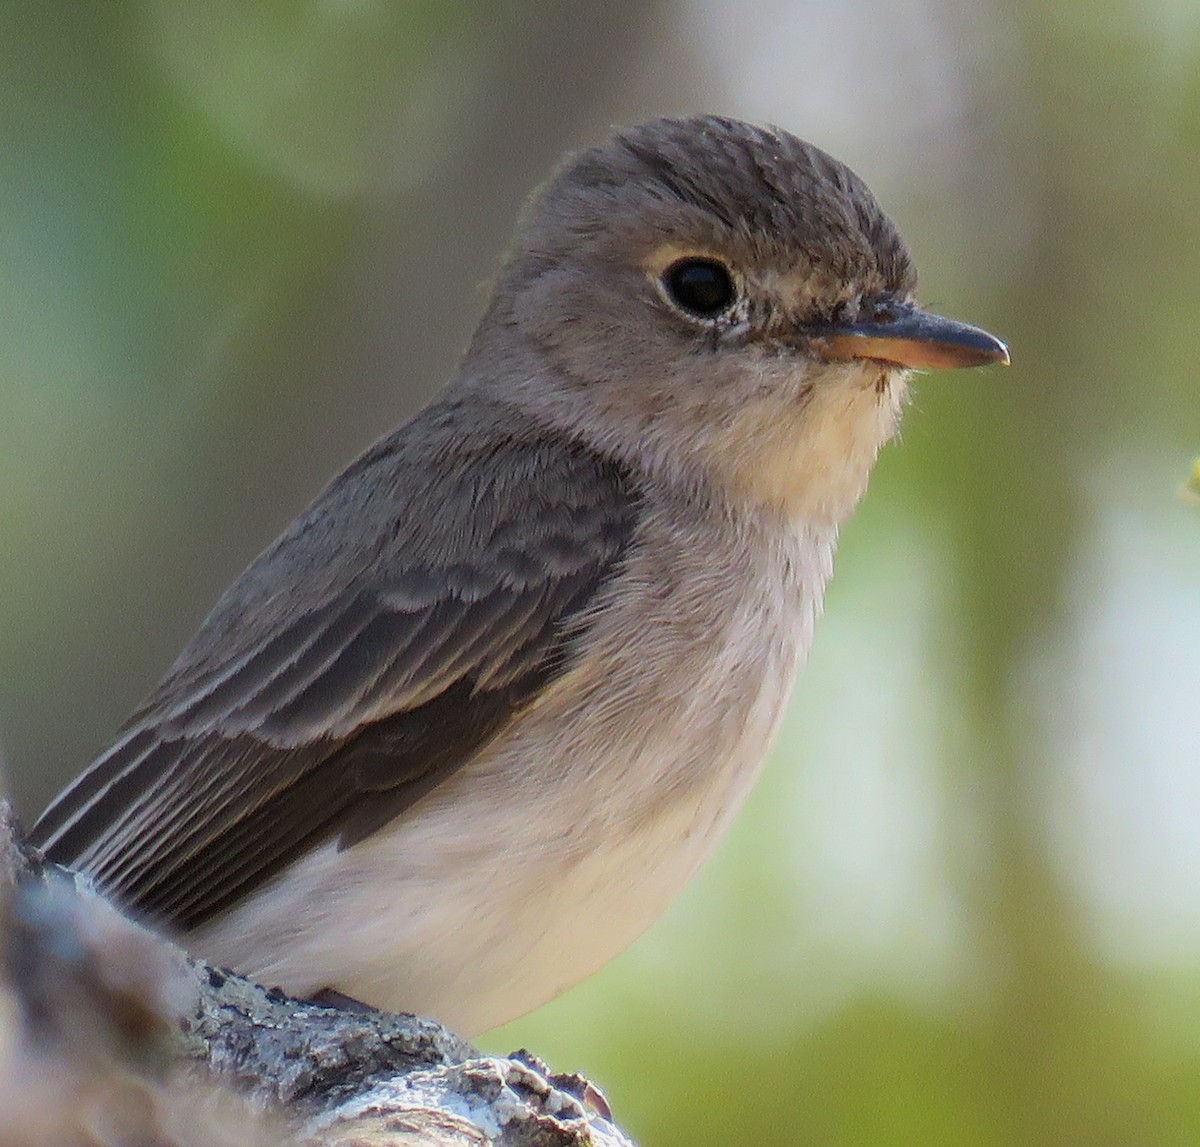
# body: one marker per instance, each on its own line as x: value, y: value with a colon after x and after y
x: 906, y: 336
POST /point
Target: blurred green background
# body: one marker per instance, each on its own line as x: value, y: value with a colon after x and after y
x: 239, y: 240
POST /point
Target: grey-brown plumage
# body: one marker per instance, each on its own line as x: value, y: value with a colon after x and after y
x: 530, y: 649
x: 430, y: 592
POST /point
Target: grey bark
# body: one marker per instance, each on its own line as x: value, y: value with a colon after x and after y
x: 111, y: 1035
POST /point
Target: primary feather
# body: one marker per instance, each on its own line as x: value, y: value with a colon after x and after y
x: 322, y: 698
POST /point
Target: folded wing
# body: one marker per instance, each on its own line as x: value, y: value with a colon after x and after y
x: 421, y: 603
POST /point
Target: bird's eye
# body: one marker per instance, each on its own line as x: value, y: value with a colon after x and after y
x: 702, y: 287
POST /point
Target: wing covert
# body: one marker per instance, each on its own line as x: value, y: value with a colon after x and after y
x: 337, y: 682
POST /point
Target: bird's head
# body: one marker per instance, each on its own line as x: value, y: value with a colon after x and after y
x: 708, y: 296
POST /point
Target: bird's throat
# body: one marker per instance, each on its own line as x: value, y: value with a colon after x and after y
x: 814, y: 465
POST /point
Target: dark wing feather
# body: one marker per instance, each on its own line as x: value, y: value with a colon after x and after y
x: 430, y: 593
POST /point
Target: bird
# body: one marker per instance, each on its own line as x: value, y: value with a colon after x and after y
x: 473, y: 721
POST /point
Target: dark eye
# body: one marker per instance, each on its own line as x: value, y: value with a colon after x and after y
x: 701, y: 287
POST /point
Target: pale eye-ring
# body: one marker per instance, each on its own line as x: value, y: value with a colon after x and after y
x: 701, y: 287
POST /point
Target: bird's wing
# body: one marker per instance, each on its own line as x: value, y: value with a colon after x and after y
x: 348, y: 672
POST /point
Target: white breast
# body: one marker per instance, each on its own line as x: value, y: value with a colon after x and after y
x: 550, y: 853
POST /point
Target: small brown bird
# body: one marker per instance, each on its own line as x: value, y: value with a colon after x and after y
x: 471, y: 723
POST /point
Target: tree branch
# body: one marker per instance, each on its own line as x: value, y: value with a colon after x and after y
x: 110, y: 1034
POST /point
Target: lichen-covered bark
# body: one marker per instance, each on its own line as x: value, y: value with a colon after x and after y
x: 109, y: 1034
